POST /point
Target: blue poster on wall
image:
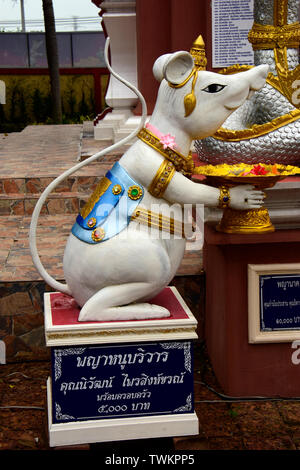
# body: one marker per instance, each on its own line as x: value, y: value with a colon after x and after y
x: 279, y: 302
x: 122, y: 380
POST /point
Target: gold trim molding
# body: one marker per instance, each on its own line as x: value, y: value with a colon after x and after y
x: 274, y: 37
x: 257, y: 130
x: 131, y: 332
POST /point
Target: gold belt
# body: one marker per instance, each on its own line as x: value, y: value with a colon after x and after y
x: 159, y: 221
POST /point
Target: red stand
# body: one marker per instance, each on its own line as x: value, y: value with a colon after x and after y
x: 244, y: 369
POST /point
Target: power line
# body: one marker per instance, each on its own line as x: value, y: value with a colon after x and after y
x: 75, y: 20
x: 56, y: 19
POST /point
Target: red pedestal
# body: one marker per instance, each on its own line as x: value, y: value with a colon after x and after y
x: 62, y: 327
x: 242, y: 368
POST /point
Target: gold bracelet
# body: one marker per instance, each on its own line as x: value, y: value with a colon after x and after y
x: 224, y: 198
x: 162, y: 178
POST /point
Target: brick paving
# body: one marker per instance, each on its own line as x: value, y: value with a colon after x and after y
x: 29, y: 162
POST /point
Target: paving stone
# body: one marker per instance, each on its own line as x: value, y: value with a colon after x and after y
x: 215, y: 420
x: 191, y: 443
x: 23, y: 324
x: 5, y: 326
x: 290, y: 412
x: 15, y: 186
x: 14, y: 345
x: 226, y: 443
x: 261, y: 442
x: 35, y: 338
x: 16, y: 304
x: 295, y: 436
x: 263, y: 417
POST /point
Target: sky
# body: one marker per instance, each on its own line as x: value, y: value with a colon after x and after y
x: 10, y: 11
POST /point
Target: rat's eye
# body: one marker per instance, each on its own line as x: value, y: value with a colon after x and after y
x: 214, y: 88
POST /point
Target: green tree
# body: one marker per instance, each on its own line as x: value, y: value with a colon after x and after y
x: 53, y: 61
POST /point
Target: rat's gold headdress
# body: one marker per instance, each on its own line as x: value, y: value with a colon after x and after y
x: 198, y: 53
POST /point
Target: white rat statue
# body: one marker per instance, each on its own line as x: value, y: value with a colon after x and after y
x: 113, y: 264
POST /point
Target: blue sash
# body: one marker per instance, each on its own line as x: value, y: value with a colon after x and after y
x: 109, y: 209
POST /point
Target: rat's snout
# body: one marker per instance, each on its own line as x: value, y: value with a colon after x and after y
x: 258, y: 76
x: 247, y: 83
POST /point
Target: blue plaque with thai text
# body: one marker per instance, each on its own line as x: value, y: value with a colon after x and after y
x: 279, y: 302
x: 121, y: 380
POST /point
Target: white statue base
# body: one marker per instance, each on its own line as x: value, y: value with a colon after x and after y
x: 119, y: 380
x: 113, y: 430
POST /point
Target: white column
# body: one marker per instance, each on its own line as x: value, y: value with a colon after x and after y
x: 120, y: 23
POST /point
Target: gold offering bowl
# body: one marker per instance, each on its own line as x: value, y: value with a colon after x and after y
x: 251, y: 220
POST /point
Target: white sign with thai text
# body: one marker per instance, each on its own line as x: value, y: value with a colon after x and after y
x: 231, y: 23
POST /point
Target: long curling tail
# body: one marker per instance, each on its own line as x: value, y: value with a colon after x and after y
x: 35, y: 216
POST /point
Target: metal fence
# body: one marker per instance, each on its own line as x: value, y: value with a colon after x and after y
x: 76, y: 50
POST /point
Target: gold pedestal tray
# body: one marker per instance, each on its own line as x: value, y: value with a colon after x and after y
x: 251, y: 220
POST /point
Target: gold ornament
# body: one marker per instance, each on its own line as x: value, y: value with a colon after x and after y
x: 103, y: 185
x: 162, y: 179
x: 116, y: 189
x: 198, y: 53
x: 240, y: 171
x: 98, y: 234
x: 274, y: 37
x: 261, y: 176
x: 181, y: 163
x: 257, y: 129
x: 135, y: 192
x: 159, y: 221
x: 91, y: 222
x: 247, y: 221
x: 224, y: 198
